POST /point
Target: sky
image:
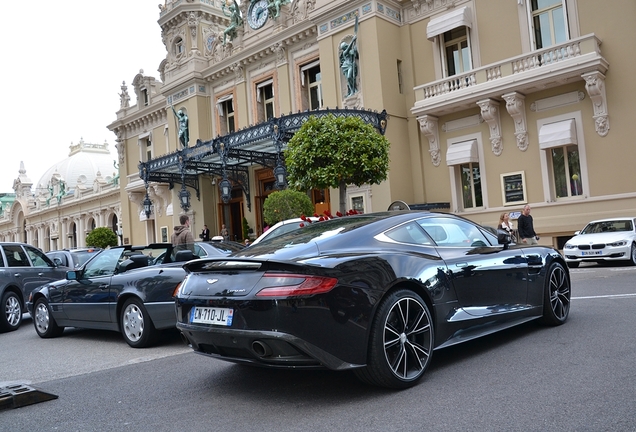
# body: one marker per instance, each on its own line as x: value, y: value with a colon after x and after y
x: 62, y: 72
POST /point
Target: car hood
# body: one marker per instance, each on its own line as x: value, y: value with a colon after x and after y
x: 607, y: 237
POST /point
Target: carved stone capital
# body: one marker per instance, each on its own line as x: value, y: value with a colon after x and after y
x: 595, y: 86
x: 429, y: 127
x: 490, y: 113
x: 516, y: 106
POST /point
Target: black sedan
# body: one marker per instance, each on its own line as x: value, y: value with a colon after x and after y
x: 374, y: 293
x: 119, y: 289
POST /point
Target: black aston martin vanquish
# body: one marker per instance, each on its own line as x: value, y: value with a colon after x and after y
x: 375, y: 293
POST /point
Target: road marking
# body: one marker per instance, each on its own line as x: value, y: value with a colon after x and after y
x: 604, y: 296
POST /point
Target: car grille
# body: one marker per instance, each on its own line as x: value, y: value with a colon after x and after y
x: 594, y: 246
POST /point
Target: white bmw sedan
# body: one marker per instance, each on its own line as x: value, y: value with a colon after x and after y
x: 603, y: 240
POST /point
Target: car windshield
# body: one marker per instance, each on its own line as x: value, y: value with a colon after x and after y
x: 226, y: 247
x: 608, y: 226
x: 80, y: 257
x: 316, y: 230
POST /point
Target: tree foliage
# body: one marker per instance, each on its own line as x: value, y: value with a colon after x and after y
x: 333, y: 152
x: 101, y: 237
x: 286, y: 204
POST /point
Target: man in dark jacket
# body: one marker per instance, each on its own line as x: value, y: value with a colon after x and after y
x: 525, y: 227
x: 182, y: 237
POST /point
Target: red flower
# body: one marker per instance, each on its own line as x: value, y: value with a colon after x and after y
x: 338, y: 214
x: 302, y: 224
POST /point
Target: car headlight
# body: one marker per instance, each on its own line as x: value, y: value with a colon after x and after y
x: 618, y: 243
x: 569, y: 246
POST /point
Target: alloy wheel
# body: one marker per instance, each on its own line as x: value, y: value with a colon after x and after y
x: 407, y: 338
x: 559, y: 287
x: 42, y: 318
x: 133, y: 322
x: 13, y: 311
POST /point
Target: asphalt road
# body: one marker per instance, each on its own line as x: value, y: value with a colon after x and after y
x: 576, y: 377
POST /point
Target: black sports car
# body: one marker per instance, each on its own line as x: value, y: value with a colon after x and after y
x: 120, y: 289
x: 375, y: 293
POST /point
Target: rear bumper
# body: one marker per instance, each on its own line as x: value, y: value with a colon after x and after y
x: 261, y: 348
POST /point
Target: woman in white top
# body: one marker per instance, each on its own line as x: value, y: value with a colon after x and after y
x: 506, y: 225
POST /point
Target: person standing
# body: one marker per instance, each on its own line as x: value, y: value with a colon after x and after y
x: 182, y: 237
x: 224, y: 233
x: 506, y: 225
x: 205, y: 233
x: 525, y: 227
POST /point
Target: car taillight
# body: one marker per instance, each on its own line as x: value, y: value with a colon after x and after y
x: 175, y: 293
x: 284, y: 285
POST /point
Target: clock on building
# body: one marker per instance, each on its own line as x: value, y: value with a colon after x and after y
x: 257, y: 14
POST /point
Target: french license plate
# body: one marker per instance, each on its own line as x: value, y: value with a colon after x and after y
x: 212, y: 315
x: 592, y: 253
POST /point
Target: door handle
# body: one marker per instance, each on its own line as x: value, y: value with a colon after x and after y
x: 103, y: 287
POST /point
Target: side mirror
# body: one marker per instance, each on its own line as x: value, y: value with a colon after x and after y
x: 57, y: 262
x: 72, y: 275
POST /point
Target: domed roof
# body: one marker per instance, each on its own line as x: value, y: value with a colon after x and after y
x: 82, y: 166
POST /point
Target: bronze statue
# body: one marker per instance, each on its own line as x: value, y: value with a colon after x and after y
x: 349, y: 61
x: 273, y: 7
x: 235, y: 19
x: 184, y: 132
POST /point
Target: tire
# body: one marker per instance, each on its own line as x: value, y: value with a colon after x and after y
x: 11, y: 317
x: 43, y: 321
x: 573, y: 264
x: 401, y: 342
x: 632, y: 256
x: 135, y: 324
x: 556, y: 296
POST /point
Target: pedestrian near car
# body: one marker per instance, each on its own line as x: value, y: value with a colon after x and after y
x: 506, y: 225
x: 182, y: 237
x: 205, y: 233
x: 525, y: 227
x: 224, y: 233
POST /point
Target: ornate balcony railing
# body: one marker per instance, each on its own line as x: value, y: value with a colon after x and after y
x: 542, y: 68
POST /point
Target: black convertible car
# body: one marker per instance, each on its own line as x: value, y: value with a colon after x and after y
x: 374, y: 293
x: 121, y: 289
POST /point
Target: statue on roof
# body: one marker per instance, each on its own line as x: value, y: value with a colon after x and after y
x: 232, y: 11
x: 349, y: 61
x: 273, y: 7
x: 124, y: 98
x: 184, y: 131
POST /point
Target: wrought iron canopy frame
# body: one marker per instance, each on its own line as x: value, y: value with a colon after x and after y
x: 232, y: 154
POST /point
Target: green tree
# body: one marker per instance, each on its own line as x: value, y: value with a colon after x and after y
x: 101, y: 237
x: 286, y: 204
x: 333, y: 152
x: 246, y: 229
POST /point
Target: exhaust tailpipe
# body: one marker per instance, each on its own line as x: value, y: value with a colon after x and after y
x: 261, y: 349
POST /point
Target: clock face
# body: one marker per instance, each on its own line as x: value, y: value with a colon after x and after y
x: 257, y: 14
